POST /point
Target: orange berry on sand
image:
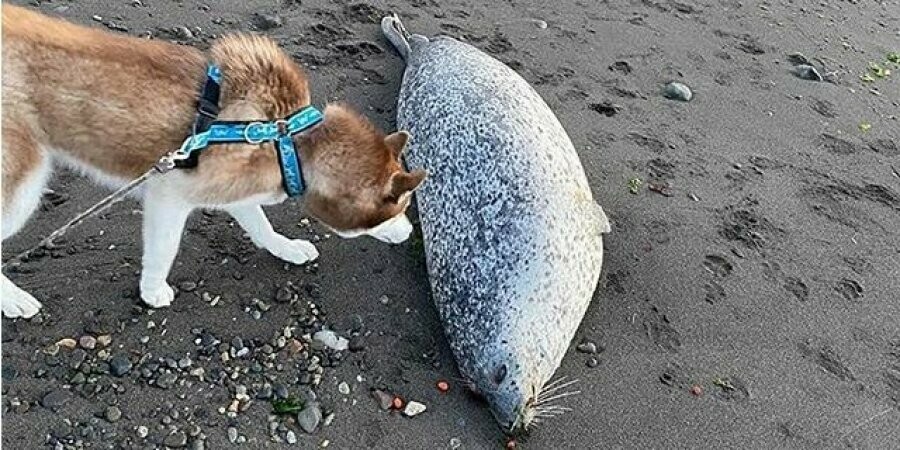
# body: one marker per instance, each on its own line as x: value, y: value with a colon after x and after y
x: 397, y: 403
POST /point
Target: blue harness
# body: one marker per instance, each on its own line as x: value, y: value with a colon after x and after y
x: 207, y: 130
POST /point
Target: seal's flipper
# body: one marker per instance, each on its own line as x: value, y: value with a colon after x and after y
x: 395, y: 33
x: 605, y: 227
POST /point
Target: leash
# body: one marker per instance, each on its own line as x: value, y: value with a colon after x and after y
x: 207, y: 130
x: 99, y: 207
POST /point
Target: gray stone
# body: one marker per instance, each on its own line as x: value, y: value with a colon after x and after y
x: 176, y: 440
x: 678, y: 91
x: 119, y: 365
x: 55, y: 399
x: 113, y: 414
x: 308, y: 419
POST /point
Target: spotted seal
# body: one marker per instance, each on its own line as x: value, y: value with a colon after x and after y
x: 513, y: 237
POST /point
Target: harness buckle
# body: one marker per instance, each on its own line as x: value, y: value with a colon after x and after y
x: 247, y: 133
x: 282, y: 126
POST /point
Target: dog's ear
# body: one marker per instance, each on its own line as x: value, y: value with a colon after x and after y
x: 397, y: 142
x: 403, y: 182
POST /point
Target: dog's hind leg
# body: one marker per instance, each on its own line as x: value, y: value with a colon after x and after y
x: 25, y: 171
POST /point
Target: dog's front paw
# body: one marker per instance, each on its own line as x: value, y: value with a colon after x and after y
x: 157, y: 296
x: 19, y: 303
x: 296, y: 251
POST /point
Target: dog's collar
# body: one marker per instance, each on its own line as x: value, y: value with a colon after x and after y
x: 208, y: 131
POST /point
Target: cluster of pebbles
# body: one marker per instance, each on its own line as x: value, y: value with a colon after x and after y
x: 228, y: 375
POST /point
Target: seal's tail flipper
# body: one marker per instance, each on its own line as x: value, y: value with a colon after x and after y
x: 395, y: 33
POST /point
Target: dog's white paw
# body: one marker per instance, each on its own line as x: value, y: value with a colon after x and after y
x: 295, y: 251
x: 157, y: 296
x: 18, y: 303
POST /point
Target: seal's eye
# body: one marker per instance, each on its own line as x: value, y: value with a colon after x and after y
x: 500, y: 374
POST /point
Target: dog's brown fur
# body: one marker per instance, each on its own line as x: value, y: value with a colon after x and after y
x: 113, y: 105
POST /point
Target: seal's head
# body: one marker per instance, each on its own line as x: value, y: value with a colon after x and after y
x: 510, y: 386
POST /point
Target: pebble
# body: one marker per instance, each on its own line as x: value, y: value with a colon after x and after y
x: 587, y: 347
x: 592, y: 362
x: 383, y: 398
x: 344, y: 388
x: 97, y: 18
x: 183, y: 33
x: 68, y: 343
x: 384, y: 299
x: 678, y: 91
x: 798, y: 58
x: 806, y: 72
x: 414, y: 409
x: 283, y: 295
x: 185, y: 362
x: 331, y: 340
x: 104, y: 340
x: 308, y: 419
x: 55, y: 399
x: 268, y: 21
x: 291, y: 438
x: 142, y: 431
x: 119, y: 365
x: 540, y: 24
x: 232, y: 434
x: 280, y: 391
x: 88, y: 342
x: 166, y: 380
x: 113, y: 414
x: 176, y: 440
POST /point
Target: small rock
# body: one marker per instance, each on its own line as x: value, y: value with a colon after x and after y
x: 185, y: 362
x: 187, y: 286
x: 344, y: 388
x: 806, y: 72
x: 97, y: 18
x: 290, y: 437
x: 678, y: 91
x: 56, y: 399
x: 176, y: 440
x: 384, y: 299
x: 267, y: 21
x: 331, y: 340
x: 184, y: 34
x: 798, y: 59
x: 142, y: 431
x: 308, y: 419
x: 587, y: 347
x: 88, y: 342
x: 119, y: 365
x: 166, y: 380
x: 232, y: 434
x: 104, y: 340
x: 383, y: 398
x: 540, y: 24
x: 413, y: 409
x: 283, y: 295
x: 592, y: 362
x: 113, y: 414
x: 68, y: 343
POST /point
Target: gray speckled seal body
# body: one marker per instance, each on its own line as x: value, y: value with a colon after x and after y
x: 513, y: 237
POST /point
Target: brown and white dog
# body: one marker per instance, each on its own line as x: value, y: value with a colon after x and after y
x: 110, y: 106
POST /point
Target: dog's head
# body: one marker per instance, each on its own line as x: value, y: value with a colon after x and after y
x: 356, y: 184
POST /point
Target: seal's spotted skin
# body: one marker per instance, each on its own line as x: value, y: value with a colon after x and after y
x: 512, y: 234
